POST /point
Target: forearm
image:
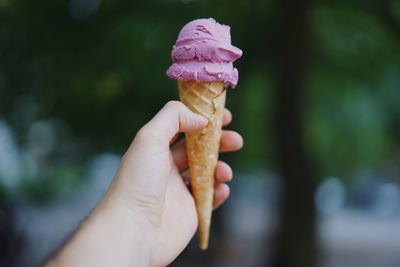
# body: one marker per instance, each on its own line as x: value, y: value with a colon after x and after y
x: 110, y: 236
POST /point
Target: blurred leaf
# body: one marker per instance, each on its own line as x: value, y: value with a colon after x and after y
x: 62, y: 182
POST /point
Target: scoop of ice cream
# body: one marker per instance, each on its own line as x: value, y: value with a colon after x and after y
x: 203, y: 52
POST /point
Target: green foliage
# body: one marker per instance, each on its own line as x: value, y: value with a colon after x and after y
x: 254, y: 116
x: 348, y: 130
x: 60, y: 183
x: 352, y: 41
x: 101, y: 70
x: 353, y: 87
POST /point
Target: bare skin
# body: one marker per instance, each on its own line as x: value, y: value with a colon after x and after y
x: 148, y: 215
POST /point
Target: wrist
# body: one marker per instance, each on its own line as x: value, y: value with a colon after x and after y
x: 119, y: 211
x: 108, y: 237
x: 124, y: 232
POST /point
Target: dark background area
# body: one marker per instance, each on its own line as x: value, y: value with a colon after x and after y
x: 317, y: 182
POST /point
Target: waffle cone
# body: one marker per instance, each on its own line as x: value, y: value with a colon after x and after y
x: 208, y: 100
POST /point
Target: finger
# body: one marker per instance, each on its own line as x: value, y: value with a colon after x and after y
x: 179, y: 154
x: 173, y: 118
x: 223, y: 172
x: 221, y: 193
x: 230, y: 141
x: 227, y: 117
x: 226, y: 120
x: 146, y: 164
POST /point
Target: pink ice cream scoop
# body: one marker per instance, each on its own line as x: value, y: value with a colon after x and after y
x: 203, y: 52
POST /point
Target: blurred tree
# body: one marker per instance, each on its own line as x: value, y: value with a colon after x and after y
x: 295, y: 242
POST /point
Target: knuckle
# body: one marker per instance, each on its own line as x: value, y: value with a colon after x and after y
x: 144, y: 135
x: 173, y: 104
x: 147, y: 136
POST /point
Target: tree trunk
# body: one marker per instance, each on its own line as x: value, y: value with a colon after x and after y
x: 295, y: 243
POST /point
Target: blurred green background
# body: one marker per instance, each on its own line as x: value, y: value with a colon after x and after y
x: 317, y: 104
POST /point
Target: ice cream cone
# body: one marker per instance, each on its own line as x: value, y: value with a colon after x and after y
x: 206, y: 99
x: 203, y: 59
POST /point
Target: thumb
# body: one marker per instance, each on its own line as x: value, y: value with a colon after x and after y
x: 146, y: 162
x: 173, y: 118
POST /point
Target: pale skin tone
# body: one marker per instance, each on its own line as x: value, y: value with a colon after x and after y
x: 148, y: 215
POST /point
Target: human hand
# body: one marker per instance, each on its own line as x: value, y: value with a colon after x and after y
x: 149, y: 179
x: 148, y: 215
